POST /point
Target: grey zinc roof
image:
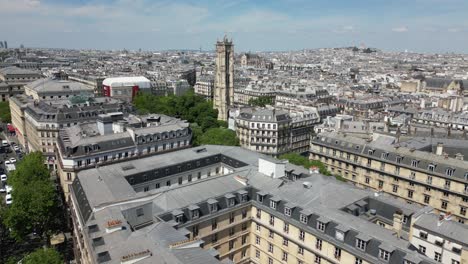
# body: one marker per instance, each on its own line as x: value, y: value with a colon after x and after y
x: 325, y: 198
x: 450, y: 229
x: 17, y: 71
x: 361, y: 146
x: 49, y: 85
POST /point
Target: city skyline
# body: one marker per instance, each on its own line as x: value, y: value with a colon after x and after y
x: 426, y: 26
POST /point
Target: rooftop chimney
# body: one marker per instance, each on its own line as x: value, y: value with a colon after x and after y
x: 440, y: 149
x: 459, y: 156
x: 398, y: 222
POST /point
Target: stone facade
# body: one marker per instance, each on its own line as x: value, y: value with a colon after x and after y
x: 224, y: 78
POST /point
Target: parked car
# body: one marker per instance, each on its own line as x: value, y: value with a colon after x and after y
x: 3, y: 178
x: 8, y: 199
x: 7, y: 162
x: 16, y: 148
x: 12, y: 160
x: 5, y: 143
x: 2, y: 189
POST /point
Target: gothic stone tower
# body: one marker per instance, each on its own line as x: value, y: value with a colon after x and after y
x: 224, y: 78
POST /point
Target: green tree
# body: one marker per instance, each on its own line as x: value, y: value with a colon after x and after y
x: 5, y: 115
x: 41, y: 256
x: 299, y: 160
x: 219, y: 136
x: 35, y: 206
x: 261, y: 101
x: 195, y: 109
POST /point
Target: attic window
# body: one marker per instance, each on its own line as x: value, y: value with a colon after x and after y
x: 370, y: 151
x: 414, y: 163
x: 431, y: 167
x: 449, y: 171
x: 384, y: 155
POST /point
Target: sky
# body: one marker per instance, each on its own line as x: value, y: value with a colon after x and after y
x: 430, y: 26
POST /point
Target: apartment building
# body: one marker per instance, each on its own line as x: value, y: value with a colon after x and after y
x: 12, y: 80
x: 115, y: 137
x: 204, y: 86
x: 438, y: 237
x: 442, y: 118
x: 415, y: 176
x: 37, y: 122
x: 95, y: 82
x: 243, y: 96
x: 57, y: 87
x: 316, y: 96
x: 220, y: 204
x: 275, y: 132
x: 161, y: 88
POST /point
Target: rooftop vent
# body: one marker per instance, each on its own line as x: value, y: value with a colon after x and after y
x: 128, y: 167
x: 200, y: 150
x: 307, y: 185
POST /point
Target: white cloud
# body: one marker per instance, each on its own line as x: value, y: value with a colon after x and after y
x: 400, y: 29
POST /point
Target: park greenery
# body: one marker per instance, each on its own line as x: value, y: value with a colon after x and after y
x: 261, y: 101
x: 5, y: 115
x: 196, y: 110
x: 303, y: 161
x: 43, y: 255
x: 35, y: 208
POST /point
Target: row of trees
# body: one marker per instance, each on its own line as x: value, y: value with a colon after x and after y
x: 36, y: 210
x: 193, y: 108
x: 5, y: 115
x: 300, y: 160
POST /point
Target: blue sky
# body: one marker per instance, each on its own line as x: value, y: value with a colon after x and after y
x: 414, y: 25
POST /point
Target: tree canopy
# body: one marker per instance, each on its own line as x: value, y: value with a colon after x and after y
x: 41, y: 255
x: 5, y: 115
x: 297, y: 159
x: 189, y: 106
x: 195, y: 109
x: 261, y: 101
x: 35, y: 202
x: 219, y: 136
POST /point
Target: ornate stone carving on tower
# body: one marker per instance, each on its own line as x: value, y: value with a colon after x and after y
x: 224, y: 78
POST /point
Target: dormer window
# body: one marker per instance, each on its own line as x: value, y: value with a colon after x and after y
x: 399, y: 159
x: 244, y: 198
x: 287, y: 211
x: 361, y: 244
x: 231, y: 202
x: 414, y: 163
x: 384, y: 155
x: 178, y: 218
x: 273, y: 204
x: 260, y: 198
x: 370, y: 152
x: 195, y: 214
x: 213, y: 205
x: 303, y: 218
x: 449, y: 171
x: 384, y: 255
x: 320, y: 226
x: 431, y: 167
